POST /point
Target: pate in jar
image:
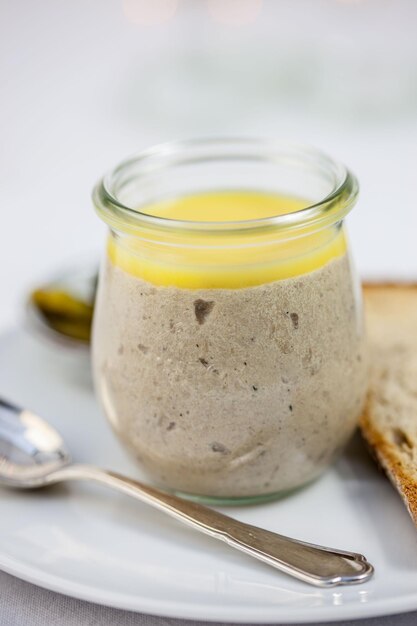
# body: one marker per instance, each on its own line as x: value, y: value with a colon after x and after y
x: 228, y: 340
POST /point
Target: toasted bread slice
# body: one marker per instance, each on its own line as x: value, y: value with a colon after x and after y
x: 389, y: 421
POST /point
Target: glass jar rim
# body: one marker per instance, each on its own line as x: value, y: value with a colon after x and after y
x: 332, y: 208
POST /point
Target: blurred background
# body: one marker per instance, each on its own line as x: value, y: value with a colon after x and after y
x: 86, y: 82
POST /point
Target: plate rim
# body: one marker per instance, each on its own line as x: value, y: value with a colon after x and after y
x: 198, y: 611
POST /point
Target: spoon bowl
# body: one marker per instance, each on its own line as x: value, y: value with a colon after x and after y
x: 30, y: 448
x: 61, y: 309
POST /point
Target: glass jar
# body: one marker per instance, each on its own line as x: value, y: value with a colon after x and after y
x: 228, y: 343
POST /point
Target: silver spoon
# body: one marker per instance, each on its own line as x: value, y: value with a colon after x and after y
x: 33, y: 455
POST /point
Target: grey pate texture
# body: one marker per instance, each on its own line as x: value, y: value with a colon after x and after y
x: 231, y: 392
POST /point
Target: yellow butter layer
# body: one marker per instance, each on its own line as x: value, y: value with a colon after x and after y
x: 180, y: 258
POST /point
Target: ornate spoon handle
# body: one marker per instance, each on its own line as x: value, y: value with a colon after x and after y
x: 317, y: 565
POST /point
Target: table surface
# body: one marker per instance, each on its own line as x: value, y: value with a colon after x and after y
x: 84, y: 84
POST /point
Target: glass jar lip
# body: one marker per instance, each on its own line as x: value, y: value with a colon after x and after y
x: 331, y: 209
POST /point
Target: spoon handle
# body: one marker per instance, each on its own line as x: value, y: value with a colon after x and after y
x: 317, y: 565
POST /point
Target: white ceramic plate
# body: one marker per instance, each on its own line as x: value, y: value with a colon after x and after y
x: 86, y: 542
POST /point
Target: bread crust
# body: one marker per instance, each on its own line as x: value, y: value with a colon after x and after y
x: 389, y: 460
x: 393, y: 304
